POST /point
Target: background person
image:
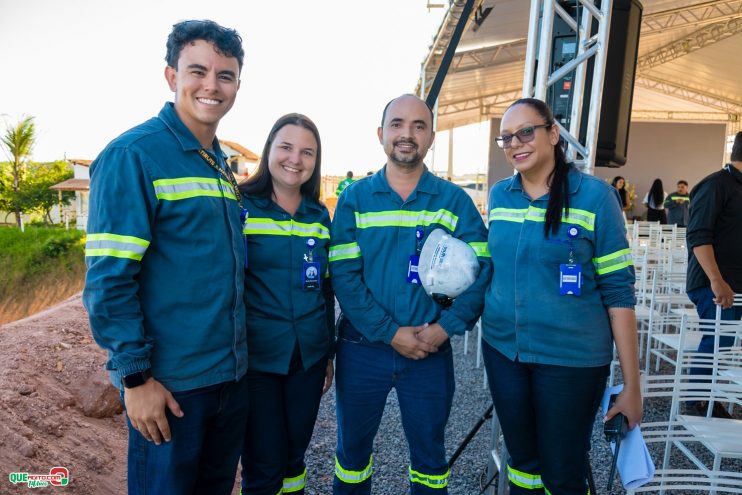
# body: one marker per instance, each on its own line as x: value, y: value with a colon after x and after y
x: 677, y: 204
x: 547, y: 339
x: 164, y: 287
x: 393, y: 334
x: 714, y: 239
x: 654, y: 200
x: 620, y: 184
x: 344, y: 183
x: 290, y: 307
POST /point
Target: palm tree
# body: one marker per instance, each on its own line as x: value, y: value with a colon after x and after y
x: 19, y: 140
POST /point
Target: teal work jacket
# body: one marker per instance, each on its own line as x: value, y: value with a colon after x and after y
x: 524, y: 314
x: 373, y: 236
x: 165, y: 256
x: 280, y: 312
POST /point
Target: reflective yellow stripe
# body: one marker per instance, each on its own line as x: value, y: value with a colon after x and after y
x: 481, y: 249
x: 117, y: 246
x: 344, y: 252
x: 575, y: 216
x: 403, y: 218
x: 612, y: 262
x: 267, y: 226
x: 348, y: 476
x: 191, y: 187
x: 429, y: 480
x: 294, y: 484
x: 525, y: 480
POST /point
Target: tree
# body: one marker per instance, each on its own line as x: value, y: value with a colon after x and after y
x: 19, y: 140
x: 35, y: 194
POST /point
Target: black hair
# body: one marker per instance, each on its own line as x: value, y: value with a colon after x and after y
x: 737, y: 148
x: 383, y: 114
x: 657, y: 192
x: 682, y: 182
x: 227, y: 41
x: 558, y: 180
x: 622, y: 191
x: 349, y: 174
x: 261, y: 182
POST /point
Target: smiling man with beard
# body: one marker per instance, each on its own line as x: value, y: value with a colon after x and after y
x: 392, y: 334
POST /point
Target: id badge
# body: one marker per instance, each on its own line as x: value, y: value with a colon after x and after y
x: 570, y: 279
x: 310, y: 275
x: 412, y: 276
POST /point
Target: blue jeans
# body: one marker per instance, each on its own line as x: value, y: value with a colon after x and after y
x: 547, y: 414
x: 366, y: 373
x: 283, y: 410
x: 202, y: 456
x: 703, y: 298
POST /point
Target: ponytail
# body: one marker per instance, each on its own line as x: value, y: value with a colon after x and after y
x: 558, y: 192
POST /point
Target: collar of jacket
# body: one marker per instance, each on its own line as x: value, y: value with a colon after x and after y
x: 734, y: 171
x: 184, y: 136
x: 574, y: 176
x: 426, y: 184
x: 305, y: 205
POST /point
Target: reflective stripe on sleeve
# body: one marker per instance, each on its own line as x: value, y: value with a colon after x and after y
x: 348, y: 476
x: 267, y: 226
x: 430, y: 480
x: 403, y: 218
x: 191, y: 187
x: 481, y: 249
x: 612, y: 262
x: 295, y: 484
x: 117, y: 246
x: 583, y: 218
x: 345, y: 251
x: 525, y: 480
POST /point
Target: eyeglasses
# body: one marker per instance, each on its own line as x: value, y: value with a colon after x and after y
x: 525, y: 135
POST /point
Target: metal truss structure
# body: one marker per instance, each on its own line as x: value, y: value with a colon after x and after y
x: 693, y: 15
x: 595, y: 46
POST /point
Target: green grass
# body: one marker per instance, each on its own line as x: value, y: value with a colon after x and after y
x: 41, y: 259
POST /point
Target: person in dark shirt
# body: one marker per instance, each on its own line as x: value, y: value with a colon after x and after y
x: 677, y: 205
x: 714, y: 238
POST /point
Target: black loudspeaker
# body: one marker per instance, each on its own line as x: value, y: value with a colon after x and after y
x: 618, y: 85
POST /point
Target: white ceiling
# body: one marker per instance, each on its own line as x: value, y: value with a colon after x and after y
x: 690, y: 62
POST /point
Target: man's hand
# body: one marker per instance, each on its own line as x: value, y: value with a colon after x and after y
x: 723, y: 293
x: 329, y: 374
x: 406, y: 343
x: 433, y: 334
x: 145, y: 406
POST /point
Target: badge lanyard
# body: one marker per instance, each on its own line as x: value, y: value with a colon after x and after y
x: 413, y: 277
x: 233, y: 182
x: 570, y: 273
x: 310, y: 276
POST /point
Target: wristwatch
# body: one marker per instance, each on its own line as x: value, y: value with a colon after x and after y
x: 136, y: 379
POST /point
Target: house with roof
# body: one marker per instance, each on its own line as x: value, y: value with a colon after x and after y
x: 241, y: 161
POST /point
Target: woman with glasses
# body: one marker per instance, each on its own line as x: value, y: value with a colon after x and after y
x: 290, y: 307
x: 562, y: 292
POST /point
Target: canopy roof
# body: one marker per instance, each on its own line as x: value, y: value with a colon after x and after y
x: 688, y: 69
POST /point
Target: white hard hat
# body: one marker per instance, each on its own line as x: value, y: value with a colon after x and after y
x: 448, y: 266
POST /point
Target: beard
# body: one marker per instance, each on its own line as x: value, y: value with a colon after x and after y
x: 407, y: 160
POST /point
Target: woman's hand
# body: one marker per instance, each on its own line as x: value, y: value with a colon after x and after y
x: 630, y: 405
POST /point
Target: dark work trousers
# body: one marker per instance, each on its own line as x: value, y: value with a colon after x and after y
x: 366, y: 373
x: 703, y: 298
x: 547, y: 414
x: 283, y: 410
x: 202, y: 456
